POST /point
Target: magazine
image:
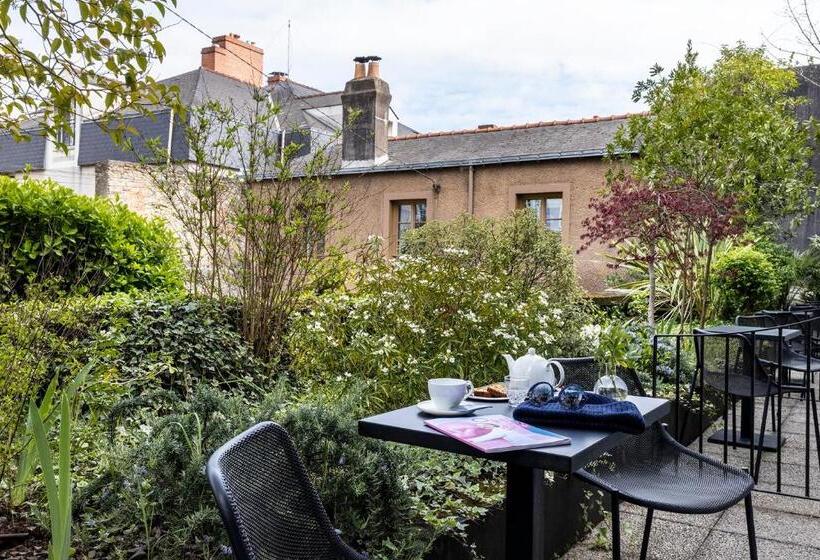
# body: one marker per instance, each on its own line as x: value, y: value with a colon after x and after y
x: 496, y: 433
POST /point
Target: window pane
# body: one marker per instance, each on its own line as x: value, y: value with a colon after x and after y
x: 553, y: 209
x: 421, y: 213
x: 534, y: 204
x: 554, y: 225
x: 405, y: 213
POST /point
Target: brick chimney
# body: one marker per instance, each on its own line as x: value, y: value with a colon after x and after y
x: 237, y: 59
x: 365, y: 105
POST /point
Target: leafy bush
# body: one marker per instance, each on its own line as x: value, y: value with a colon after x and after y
x: 517, y: 247
x: 808, y: 271
x: 48, y: 232
x: 416, y: 317
x: 746, y: 280
x: 178, y: 342
x: 785, y: 265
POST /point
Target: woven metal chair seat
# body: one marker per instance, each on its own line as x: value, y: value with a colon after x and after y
x: 269, y: 506
x: 655, y: 471
x: 740, y: 385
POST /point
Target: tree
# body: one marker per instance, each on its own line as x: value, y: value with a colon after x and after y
x: 661, y: 221
x: 60, y: 58
x: 730, y: 129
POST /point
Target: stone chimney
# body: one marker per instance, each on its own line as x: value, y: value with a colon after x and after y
x: 365, y: 105
x: 237, y: 59
x: 276, y: 77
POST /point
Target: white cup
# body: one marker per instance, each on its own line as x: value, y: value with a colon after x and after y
x: 447, y: 393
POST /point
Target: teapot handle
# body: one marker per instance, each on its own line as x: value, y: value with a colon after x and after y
x: 560, y: 368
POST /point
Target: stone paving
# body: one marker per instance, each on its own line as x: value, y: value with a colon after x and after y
x: 787, y: 527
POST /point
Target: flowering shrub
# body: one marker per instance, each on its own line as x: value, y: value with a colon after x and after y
x: 414, y: 318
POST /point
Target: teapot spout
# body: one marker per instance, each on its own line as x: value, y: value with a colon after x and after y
x: 510, y: 362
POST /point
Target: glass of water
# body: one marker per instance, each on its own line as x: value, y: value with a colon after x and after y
x: 517, y: 388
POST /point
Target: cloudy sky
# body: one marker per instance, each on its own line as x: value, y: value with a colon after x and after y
x: 459, y: 63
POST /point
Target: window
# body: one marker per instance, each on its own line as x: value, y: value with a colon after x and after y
x: 546, y: 206
x: 408, y: 214
x: 63, y: 136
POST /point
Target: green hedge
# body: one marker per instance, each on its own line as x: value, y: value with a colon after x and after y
x: 80, y: 244
x: 747, y: 281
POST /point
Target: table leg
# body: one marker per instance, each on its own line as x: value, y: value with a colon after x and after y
x: 525, y: 513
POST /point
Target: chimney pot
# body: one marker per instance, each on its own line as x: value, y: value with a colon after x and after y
x: 359, y: 67
x: 373, y: 67
x: 275, y: 77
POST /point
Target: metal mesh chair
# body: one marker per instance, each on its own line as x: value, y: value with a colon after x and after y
x: 656, y: 472
x: 267, y: 503
x: 586, y: 371
x: 768, y: 350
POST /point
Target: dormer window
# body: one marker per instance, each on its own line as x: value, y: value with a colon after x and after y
x: 65, y: 137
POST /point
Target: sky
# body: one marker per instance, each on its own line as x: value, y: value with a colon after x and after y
x: 455, y: 64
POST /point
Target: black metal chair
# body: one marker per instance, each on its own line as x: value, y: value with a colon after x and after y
x: 267, y: 503
x: 785, y: 356
x: 586, y: 371
x: 656, y: 472
x: 729, y: 364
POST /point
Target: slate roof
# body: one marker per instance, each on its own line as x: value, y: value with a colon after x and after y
x: 540, y: 141
x: 14, y: 156
x: 96, y: 145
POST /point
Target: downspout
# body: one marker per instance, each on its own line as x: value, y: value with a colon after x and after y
x: 170, y: 137
x: 470, y: 190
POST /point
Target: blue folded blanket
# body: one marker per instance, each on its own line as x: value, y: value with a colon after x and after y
x: 596, y: 413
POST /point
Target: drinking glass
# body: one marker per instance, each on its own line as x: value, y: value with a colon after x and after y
x: 517, y: 388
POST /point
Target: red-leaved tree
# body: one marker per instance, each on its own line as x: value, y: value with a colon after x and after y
x: 671, y: 214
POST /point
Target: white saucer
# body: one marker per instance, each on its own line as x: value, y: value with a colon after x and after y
x: 464, y: 409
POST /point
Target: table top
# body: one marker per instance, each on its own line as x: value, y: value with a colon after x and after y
x: 788, y: 334
x: 797, y: 313
x: 406, y: 425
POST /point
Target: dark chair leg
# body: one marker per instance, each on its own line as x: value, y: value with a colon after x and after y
x: 646, y: 530
x: 774, y: 416
x: 750, y: 528
x: 734, y: 422
x: 760, y: 438
x: 816, y: 424
x: 616, y: 529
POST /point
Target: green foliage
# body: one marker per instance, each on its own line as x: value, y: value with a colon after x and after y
x: 746, y: 280
x: 517, y: 247
x: 418, y: 317
x: 64, y: 57
x: 808, y: 271
x: 79, y: 243
x: 677, y: 297
x: 785, y: 264
x: 361, y: 481
x: 178, y: 342
x: 58, y: 487
x: 154, y: 496
x: 731, y: 128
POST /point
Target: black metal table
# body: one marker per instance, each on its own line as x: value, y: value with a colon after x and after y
x: 525, y: 469
x: 747, y: 436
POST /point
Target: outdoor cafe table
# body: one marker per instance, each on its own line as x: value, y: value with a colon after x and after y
x: 525, y: 469
x: 747, y: 405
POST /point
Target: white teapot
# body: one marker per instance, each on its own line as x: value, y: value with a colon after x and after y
x: 535, y: 368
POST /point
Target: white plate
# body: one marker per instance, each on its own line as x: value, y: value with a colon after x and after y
x: 473, y: 397
x: 461, y: 410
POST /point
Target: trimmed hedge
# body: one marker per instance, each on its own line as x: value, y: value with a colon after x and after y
x: 747, y: 281
x: 80, y: 244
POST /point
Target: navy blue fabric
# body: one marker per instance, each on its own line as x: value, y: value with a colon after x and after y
x: 596, y: 413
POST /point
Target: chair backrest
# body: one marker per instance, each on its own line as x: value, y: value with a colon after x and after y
x: 757, y: 320
x: 267, y: 503
x: 586, y: 371
x: 722, y: 355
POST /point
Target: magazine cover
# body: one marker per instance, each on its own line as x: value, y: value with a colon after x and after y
x: 496, y: 433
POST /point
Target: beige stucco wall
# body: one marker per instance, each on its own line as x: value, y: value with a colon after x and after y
x: 496, y: 188
x: 370, y: 197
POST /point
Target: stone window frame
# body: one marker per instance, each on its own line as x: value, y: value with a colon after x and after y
x: 390, y: 214
x: 518, y: 192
